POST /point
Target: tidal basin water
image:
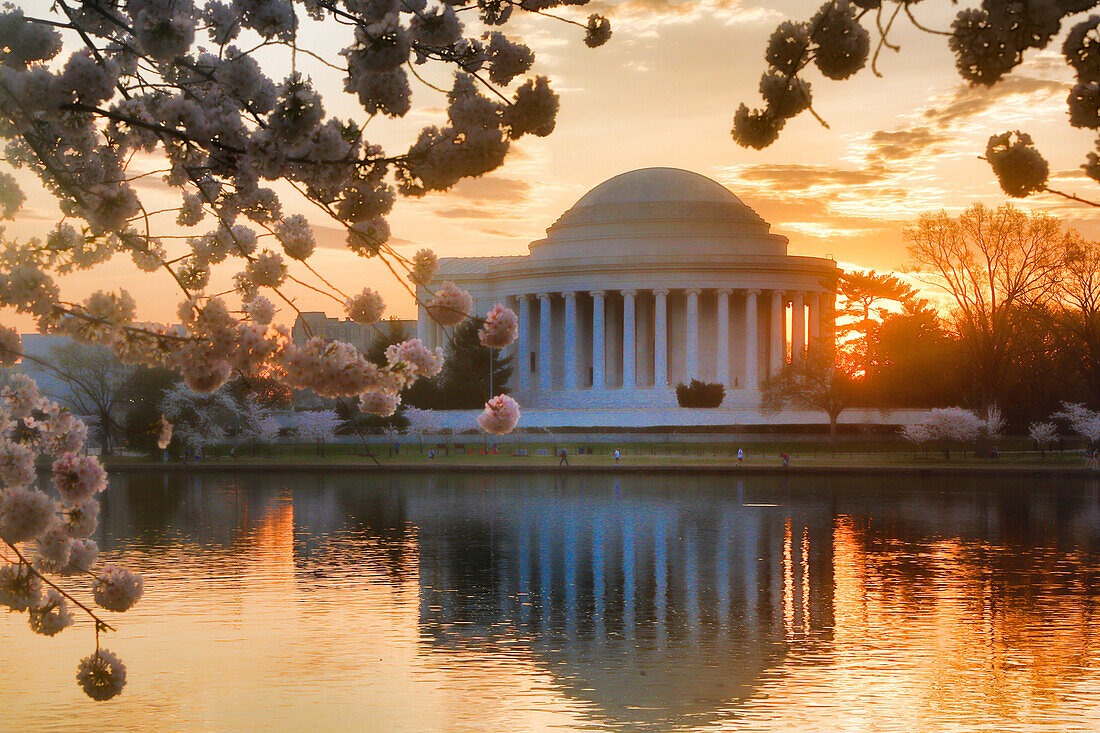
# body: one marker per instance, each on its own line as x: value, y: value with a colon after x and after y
x: 570, y: 602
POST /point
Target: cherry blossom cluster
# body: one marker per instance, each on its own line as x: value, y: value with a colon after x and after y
x: 451, y: 305
x: 98, y: 94
x: 500, y: 329
x: 46, y: 538
x: 500, y: 415
x: 988, y: 42
x: 88, y: 87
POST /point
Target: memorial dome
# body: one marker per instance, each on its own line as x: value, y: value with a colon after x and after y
x: 655, y: 210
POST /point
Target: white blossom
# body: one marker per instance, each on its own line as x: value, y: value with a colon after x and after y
x: 258, y: 423
x: 1082, y: 421
x: 21, y: 395
x: 1045, y: 434
x: 81, y: 519
x: 317, y: 425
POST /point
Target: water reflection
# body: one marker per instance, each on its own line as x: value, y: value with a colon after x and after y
x: 521, y: 603
x: 655, y: 610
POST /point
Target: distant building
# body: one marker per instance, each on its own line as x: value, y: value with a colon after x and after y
x: 315, y: 323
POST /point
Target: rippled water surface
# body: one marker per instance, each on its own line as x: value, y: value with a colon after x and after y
x: 538, y: 602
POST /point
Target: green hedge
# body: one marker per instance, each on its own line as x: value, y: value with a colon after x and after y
x: 700, y: 394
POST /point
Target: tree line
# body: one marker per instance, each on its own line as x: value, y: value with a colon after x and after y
x: 1009, y: 319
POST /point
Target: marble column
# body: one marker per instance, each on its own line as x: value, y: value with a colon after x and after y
x: 523, y: 361
x: 660, y: 338
x: 798, y: 327
x: 629, y: 334
x: 693, y: 334
x: 777, y: 340
x: 424, y: 330
x: 570, y: 382
x: 723, y: 359
x: 598, y: 358
x: 813, y: 300
x: 752, y: 380
x: 545, y: 342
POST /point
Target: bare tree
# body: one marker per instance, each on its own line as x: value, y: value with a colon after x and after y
x: 814, y: 383
x: 1079, y: 300
x: 991, y: 262
x: 93, y: 377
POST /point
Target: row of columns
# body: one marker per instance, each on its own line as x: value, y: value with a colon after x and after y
x: 776, y: 340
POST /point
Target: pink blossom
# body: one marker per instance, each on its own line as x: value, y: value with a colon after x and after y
x: 366, y: 308
x: 500, y: 415
x: 425, y: 362
x: 78, y: 478
x: 101, y: 675
x: 11, y: 347
x: 24, y: 514
x: 425, y: 265
x: 379, y: 402
x: 500, y: 329
x: 117, y: 589
x: 451, y: 305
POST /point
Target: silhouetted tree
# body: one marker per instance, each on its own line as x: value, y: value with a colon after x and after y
x: 991, y: 262
x: 813, y: 383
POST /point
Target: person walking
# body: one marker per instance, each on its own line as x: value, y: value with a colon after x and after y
x: 616, y: 456
x: 786, y: 460
x: 564, y: 460
x: 740, y: 457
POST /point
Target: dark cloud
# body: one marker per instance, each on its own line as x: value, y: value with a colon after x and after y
x: 466, y: 212
x: 686, y: 11
x: 336, y: 238
x: 498, y: 233
x: 491, y: 188
x: 967, y: 101
x: 802, y: 176
x: 1071, y: 173
x: 903, y: 144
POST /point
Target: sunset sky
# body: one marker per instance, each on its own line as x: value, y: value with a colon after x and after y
x: 663, y: 92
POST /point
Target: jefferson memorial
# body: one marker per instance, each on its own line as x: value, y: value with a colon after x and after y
x: 653, y: 278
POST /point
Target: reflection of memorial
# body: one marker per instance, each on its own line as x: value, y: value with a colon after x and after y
x: 537, y: 601
x: 651, y: 611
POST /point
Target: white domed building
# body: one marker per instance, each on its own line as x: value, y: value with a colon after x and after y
x: 651, y: 279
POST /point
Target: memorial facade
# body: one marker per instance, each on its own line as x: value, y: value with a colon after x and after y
x: 653, y: 278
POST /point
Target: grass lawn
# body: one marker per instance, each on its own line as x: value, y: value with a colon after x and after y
x: 802, y: 454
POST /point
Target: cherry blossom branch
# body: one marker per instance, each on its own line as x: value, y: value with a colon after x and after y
x: 100, y: 623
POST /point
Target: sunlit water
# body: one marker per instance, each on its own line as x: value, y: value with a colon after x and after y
x: 514, y: 603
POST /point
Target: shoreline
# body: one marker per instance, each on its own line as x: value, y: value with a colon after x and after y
x: 722, y: 468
